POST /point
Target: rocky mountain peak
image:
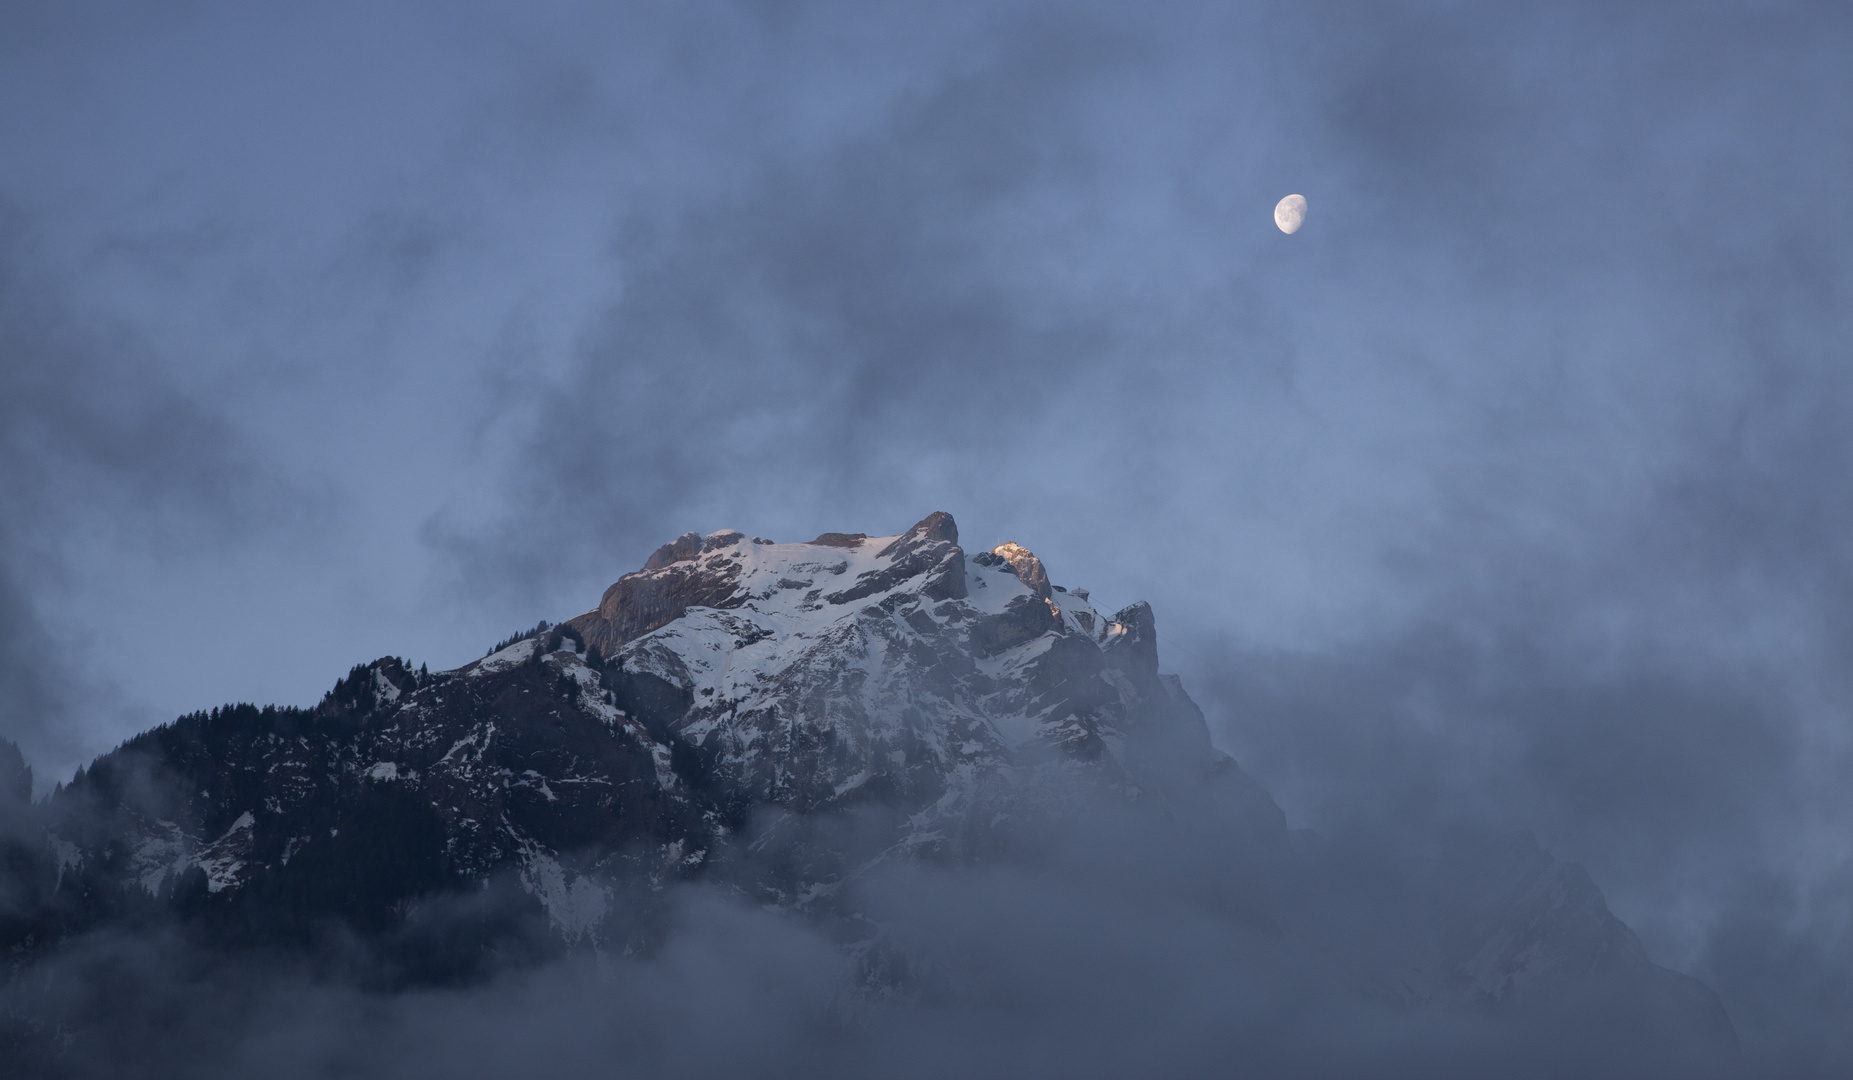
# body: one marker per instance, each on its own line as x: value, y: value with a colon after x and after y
x: 1027, y: 566
x: 696, y: 571
x: 937, y: 527
x: 689, y: 545
x: 804, y: 673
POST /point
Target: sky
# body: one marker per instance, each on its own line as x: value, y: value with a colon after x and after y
x: 1509, y: 493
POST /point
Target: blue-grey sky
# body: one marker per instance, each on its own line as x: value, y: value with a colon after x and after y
x: 1511, y: 492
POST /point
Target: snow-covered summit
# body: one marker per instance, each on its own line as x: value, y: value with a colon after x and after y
x: 822, y: 673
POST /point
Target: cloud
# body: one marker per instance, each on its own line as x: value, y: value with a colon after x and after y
x: 100, y: 446
x: 1508, y: 493
x: 1514, y: 486
x: 1133, y: 941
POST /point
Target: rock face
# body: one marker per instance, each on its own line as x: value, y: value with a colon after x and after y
x: 700, y: 722
x: 1027, y: 566
x: 892, y: 669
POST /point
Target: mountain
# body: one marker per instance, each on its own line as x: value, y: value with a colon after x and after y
x: 776, y: 721
x: 727, y: 678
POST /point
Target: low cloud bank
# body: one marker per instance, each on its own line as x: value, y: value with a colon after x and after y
x: 1145, y: 942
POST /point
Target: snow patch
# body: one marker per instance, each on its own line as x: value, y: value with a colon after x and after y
x: 159, y: 857
x: 512, y: 657
x: 575, y: 904
x: 225, y: 857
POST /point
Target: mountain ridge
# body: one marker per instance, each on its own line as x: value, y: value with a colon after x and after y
x: 771, y: 719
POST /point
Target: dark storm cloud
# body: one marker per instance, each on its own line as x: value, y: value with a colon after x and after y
x: 95, y: 444
x: 832, y: 315
x: 1687, y: 792
x: 1593, y: 274
x: 920, y: 287
x: 1654, y: 679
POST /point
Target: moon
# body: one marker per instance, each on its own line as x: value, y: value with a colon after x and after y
x: 1290, y: 213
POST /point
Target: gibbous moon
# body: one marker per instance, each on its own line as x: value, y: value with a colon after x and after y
x: 1290, y: 213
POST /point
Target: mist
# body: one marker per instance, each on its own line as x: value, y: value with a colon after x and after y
x: 1507, y: 495
x: 1128, y: 939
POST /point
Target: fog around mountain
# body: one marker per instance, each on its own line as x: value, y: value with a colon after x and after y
x: 985, y: 829
x: 1504, y: 497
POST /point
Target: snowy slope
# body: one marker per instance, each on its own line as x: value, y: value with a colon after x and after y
x: 814, y: 673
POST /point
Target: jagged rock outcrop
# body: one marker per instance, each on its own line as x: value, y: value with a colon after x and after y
x: 819, y: 675
x: 1027, y: 566
x: 674, y: 579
